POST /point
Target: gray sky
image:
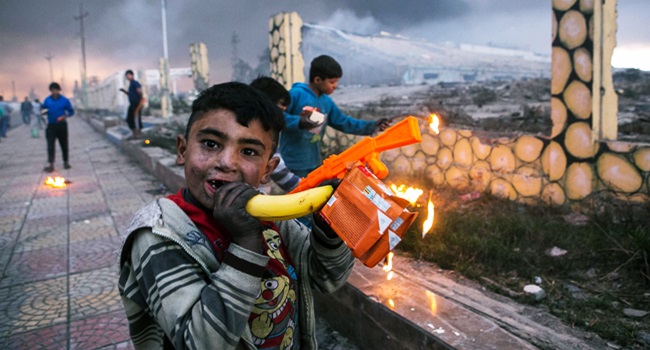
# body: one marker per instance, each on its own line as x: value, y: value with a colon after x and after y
x: 123, y: 34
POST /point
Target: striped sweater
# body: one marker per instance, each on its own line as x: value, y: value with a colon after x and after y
x: 175, y: 291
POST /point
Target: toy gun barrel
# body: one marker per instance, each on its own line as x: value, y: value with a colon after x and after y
x: 367, y: 150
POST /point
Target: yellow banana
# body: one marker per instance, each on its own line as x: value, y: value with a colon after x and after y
x: 288, y: 206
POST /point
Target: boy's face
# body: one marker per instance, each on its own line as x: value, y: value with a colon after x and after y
x: 55, y: 92
x: 326, y: 86
x: 220, y: 150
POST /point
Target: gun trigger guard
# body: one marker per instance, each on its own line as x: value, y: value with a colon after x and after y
x: 378, y: 168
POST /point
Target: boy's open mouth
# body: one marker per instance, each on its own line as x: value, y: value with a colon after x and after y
x: 216, y: 183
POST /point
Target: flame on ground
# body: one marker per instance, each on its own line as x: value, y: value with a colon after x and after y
x: 433, y: 305
x: 391, y: 303
x: 428, y: 223
x: 411, y: 194
x: 435, y: 123
x: 56, y: 182
x: 388, y: 264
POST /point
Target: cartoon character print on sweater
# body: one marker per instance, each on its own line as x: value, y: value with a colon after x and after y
x: 274, y: 316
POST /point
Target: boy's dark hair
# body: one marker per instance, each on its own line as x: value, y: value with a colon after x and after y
x: 55, y: 86
x: 324, y: 67
x: 273, y: 89
x: 246, y: 102
x: 128, y: 72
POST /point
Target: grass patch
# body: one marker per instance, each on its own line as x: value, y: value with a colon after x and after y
x: 604, y: 270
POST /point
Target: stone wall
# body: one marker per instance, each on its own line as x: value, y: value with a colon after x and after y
x: 572, y: 164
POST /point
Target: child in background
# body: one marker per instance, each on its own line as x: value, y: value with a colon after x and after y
x: 298, y: 146
x: 282, y: 176
x: 197, y: 271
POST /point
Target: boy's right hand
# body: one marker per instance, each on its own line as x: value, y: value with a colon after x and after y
x: 306, y: 123
x: 229, y: 210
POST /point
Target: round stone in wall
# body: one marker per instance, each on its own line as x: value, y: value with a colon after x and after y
x: 558, y: 116
x: 554, y: 161
x: 528, y: 148
x: 463, y: 153
x: 502, y: 189
x: 587, y: 6
x: 457, y: 178
x: 401, y: 165
x: 578, y: 99
x: 480, y: 175
x: 560, y: 69
x: 502, y: 159
x: 481, y: 150
x: 448, y: 137
x: 621, y: 147
x: 553, y: 194
x: 579, y: 142
x: 563, y: 5
x: 582, y: 64
x: 430, y: 145
x: 527, y: 181
x: 618, y: 174
x: 444, y: 158
x: 579, y: 181
x: 436, y: 175
x: 572, y: 29
x: 642, y: 158
x: 554, y: 28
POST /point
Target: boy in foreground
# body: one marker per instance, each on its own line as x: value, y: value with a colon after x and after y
x: 197, y: 271
x: 299, y: 147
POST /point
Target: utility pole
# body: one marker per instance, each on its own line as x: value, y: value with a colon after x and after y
x: 49, y: 58
x: 80, y: 18
x: 166, y: 101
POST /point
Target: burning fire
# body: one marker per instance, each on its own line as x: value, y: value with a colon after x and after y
x: 428, y: 223
x: 388, y: 265
x: 433, y: 304
x: 56, y: 182
x: 411, y: 194
x: 391, y: 303
x: 435, y: 123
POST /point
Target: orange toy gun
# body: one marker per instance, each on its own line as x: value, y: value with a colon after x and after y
x: 365, y: 151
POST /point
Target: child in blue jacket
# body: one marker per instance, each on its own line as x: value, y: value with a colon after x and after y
x: 299, y: 147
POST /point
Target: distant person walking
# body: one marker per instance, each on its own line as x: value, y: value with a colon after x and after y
x: 135, y: 105
x: 58, y: 109
x: 37, y: 122
x: 4, y: 117
x: 26, y: 109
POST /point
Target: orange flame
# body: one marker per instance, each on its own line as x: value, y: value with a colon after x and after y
x: 411, y: 194
x: 433, y: 304
x: 388, y: 265
x: 391, y: 303
x: 435, y: 123
x: 56, y: 182
x: 428, y: 223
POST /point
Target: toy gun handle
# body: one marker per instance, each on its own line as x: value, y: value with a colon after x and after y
x: 367, y: 150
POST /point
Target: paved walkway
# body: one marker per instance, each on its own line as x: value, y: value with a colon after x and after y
x: 58, y: 246
x: 58, y: 288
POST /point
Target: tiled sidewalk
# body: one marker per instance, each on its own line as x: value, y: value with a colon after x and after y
x: 57, y: 246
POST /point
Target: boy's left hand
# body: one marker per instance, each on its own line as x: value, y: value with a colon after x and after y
x: 382, y: 124
x: 229, y: 210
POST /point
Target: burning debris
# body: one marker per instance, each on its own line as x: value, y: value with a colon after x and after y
x: 56, y: 182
